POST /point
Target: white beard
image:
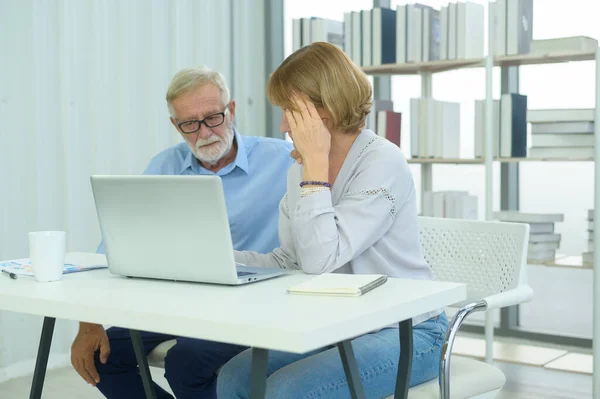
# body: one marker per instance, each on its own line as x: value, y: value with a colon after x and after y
x: 213, y: 153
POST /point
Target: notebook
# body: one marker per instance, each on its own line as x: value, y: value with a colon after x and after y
x: 336, y: 284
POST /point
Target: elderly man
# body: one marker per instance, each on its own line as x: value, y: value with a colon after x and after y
x: 253, y: 171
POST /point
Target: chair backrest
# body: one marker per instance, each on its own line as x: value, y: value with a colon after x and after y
x: 489, y: 257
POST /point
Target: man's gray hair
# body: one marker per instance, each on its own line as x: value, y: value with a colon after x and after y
x: 191, y: 78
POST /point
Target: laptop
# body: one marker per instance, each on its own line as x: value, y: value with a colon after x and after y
x: 170, y: 228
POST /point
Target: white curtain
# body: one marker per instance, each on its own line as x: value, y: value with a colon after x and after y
x: 82, y: 87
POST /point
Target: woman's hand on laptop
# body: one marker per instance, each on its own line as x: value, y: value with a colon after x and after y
x: 91, y: 338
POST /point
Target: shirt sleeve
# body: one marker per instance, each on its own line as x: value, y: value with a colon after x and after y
x: 283, y: 257
x: 326, y: 237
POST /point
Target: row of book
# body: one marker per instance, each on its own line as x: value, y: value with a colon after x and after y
x: 384, y: 121
x: 309, y: 30
x: 561, y: 133
x: 513, y: 26
x: 420, y: 33
x: 509, y: 133
x: 543, y: 241
x: 434, y: 128
x: 587, y: 257
x: 410, y: 33
x: 450, y: 204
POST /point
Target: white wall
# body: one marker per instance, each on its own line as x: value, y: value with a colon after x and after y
x: 82, y: 89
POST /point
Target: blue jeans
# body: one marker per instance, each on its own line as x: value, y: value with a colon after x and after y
x: 320, y: 374
x: 190, y: 366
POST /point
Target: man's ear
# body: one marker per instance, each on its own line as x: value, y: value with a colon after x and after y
x: 232, y: 108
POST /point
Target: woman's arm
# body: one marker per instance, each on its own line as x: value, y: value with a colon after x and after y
x: 328, y: 237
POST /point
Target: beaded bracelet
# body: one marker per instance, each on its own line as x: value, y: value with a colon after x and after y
x: 315, y: 183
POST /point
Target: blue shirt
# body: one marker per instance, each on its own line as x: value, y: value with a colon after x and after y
x: 253, y: 184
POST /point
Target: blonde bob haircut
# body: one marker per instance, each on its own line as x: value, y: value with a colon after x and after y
x: 329, y: 78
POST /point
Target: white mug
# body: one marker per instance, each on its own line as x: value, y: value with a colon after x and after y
x: 47, y: 250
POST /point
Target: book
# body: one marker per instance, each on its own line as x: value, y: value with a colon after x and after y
x: 520, y: 217
x: 564, y: 44
x: 444, y: 33
x: 562, y: 140
x: 337, y: 284
x: 541, y: 228
x: 367, y: 38
x: 74, y: 262
x: 562, y: 127
x: 446, y: 140
x: 538, y: 238
x: 560, y: 115
x: 401, y: 34
x: 327, y: 30
x: 519, y: 26
x: 479, y: 128
x: 541, y: 256
x: 389, y: 125
x: 384, y: 36
x: 500, y: 26
x: 452, y: 31
x: 348, y: 34
x: 542, y: 246
x: 378, y: 105
x: 296, y: 34
x: 431, y: 35
x: 357, y: 42
x: 470, y: 30
x: 513, y: 125
x: 562, y: 152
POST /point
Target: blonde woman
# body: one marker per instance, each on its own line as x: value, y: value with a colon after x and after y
x: 350, y: 207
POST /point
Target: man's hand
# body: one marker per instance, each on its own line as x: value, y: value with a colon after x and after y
x: 91, y: 338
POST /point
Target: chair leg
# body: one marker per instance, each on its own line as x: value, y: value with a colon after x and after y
x: 453, y: 327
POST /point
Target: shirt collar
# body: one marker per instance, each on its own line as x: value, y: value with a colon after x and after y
x: 241, y: 160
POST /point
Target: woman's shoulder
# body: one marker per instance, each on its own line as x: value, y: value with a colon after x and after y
x: 374, y: 149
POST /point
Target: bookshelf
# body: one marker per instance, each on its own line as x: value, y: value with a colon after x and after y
x: 426, y: 69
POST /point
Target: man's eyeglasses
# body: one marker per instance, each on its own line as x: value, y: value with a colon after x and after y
x: 213, y: 120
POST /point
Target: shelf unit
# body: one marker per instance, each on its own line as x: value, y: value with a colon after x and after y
x: 426, y: 69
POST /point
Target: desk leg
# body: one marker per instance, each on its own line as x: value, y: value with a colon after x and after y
x: 41, y: 362
x: 406, y: 357
x: 351, y: 370
x: 140, y: 355
x: 258, y: 381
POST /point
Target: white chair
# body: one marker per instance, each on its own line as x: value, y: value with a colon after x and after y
x: 490, y: 258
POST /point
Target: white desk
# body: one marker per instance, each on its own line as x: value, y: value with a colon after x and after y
x: 259, y: 315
